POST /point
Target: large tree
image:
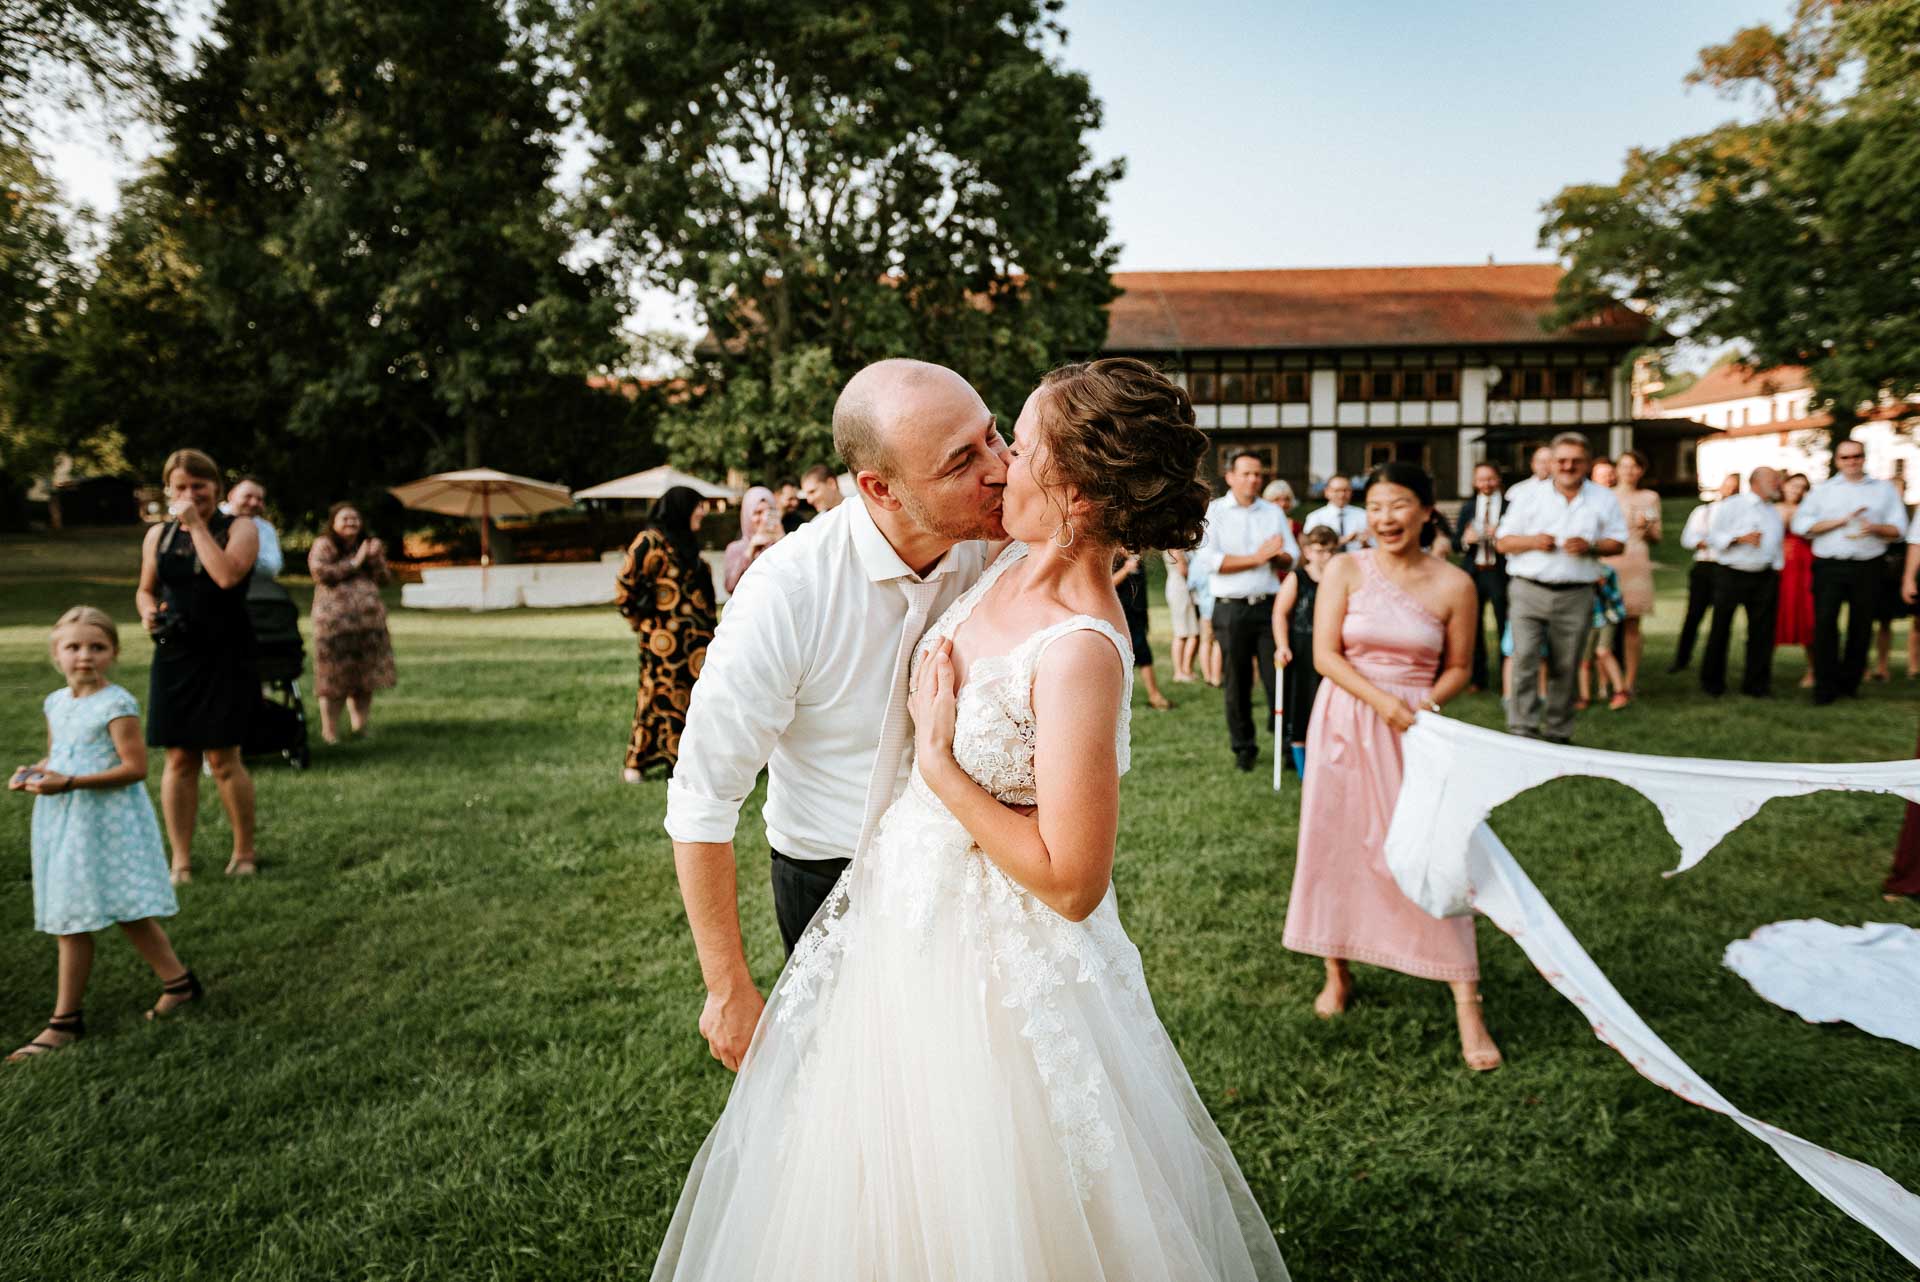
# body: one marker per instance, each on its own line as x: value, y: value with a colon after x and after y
x: 364, y: 189
x: 839, y: 183
x: 64, y: 53
x: 1797, y: 234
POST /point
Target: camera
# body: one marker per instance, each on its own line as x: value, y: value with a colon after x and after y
x: 169, y: 627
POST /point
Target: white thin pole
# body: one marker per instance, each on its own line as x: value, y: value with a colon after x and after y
x: 1280, y: 747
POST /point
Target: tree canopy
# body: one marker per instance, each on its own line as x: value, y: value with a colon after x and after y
x: 1796, y: 234
x: 836, y: 185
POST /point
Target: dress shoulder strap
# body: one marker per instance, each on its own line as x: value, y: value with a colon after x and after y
x: 1034, y: 646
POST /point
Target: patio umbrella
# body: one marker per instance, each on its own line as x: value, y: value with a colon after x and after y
x: 654, y: 482
x: 481, y: 492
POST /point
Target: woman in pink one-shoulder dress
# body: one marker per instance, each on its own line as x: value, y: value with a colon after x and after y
x: 1393, y: 635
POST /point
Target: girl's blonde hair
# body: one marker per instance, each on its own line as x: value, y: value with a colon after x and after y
x: 193, y: 463
x: 85, y: 616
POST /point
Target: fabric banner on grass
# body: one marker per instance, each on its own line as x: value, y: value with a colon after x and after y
x: 1447, y: 860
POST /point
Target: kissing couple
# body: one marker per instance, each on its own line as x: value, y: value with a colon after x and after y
x: 959, y: 1074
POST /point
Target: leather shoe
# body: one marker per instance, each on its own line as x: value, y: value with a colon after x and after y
x: 1244, y: 761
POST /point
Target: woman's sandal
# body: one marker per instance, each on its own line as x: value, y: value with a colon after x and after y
x: 1620, y: 700
x: 72, y: 1025
x: 186, y: 988
x: 238, y: 867
x: 1481, y: 1061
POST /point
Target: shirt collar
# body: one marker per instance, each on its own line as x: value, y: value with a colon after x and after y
x: 877, y: 557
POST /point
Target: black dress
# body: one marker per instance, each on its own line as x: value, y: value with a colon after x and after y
x: 1133, y: 603
x: 1303, y: 679
x: 204, y: 686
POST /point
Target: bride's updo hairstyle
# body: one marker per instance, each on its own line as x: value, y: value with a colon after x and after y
x: 1121, y: 433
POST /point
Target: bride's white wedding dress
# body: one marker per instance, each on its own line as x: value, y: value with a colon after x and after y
x: 952, y: 1081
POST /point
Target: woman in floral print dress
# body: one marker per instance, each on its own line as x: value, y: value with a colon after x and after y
x: 352, y: 652
x: 665, y: 592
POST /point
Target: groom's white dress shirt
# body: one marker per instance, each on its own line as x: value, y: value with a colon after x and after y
x: 796, y: 680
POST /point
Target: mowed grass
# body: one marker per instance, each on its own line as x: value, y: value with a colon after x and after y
x: 450, y: 1029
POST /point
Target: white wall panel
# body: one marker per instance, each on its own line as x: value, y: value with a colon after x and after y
x: 1323, y: 392
x: 1323, y: 454
x: 1266, y: 416
x: 1445, y: 413
x: 1295, y: 415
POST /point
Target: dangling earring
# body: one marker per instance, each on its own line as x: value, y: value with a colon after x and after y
x: 1066, y: 525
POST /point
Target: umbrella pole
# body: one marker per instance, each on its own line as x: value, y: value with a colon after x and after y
x: 486, y: 553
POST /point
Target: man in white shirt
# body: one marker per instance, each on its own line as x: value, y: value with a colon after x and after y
x: 1348, y: 523
x: 1542, y: 465
x: 1910, y: 580
x: 1553, y: 537
x: 1850, y: 519
x: 1247, y: 547
x: 1748, y: 542
x: 248, y: 498
x: 1693, y: 537
x: 807, y: 673
x: 1477, y: 522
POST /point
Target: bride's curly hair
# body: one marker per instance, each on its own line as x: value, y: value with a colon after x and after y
x: 1122, y: 433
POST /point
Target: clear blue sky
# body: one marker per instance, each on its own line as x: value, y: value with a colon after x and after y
x: 1321, y: 133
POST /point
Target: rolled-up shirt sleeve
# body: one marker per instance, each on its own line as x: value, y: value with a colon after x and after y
x: 741, y: 703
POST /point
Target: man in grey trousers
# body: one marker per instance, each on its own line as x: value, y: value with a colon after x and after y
x: 1553, y: 536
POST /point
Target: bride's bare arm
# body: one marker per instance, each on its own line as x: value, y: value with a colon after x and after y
x: 1063, y: 851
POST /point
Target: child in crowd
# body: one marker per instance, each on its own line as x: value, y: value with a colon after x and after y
x: 1293, y: 640
x: 97, y: 855
x: 1609, y: 608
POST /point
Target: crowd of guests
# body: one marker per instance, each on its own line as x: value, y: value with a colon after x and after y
x: 99, y: 857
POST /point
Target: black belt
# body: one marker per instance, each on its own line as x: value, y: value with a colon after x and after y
x: 1557, y: 587
x: 1247, y: 600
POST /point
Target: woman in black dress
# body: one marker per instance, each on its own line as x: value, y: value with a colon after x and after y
x: 1130, y: 584
x: 204, y: 686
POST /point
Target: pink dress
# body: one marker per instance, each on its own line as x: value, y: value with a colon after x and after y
x: 1345, y: 903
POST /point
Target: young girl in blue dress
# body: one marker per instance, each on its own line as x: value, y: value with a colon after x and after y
x: 98, y: 860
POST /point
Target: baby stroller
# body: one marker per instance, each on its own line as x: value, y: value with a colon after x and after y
x: 280, y: 722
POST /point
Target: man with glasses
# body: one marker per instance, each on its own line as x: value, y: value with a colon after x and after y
x: 1247, y: 547
x: 1850, y: 518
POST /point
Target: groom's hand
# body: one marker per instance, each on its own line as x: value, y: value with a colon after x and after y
x: 728, y: 1022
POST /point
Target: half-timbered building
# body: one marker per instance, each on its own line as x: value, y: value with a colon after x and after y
x: 1341, y: 369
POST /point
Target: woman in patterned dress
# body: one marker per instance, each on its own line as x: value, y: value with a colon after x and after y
x: 665, y: 593
x: 352, y: 652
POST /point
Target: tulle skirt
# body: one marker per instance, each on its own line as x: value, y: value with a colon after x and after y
x: 951, y: 1081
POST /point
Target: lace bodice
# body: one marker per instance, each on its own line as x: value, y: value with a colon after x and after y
x: 993, y: 733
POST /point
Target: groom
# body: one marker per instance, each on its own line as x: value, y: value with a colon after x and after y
x: 807, y: 674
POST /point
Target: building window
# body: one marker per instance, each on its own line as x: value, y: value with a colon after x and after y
x: 1353, y: 386
x: 1412, y: 450
x: 1205, y: 390
x: 1233, y: 389
x: 1563, y: 382
x: 1446, y: 385
x: 1293, y: 388
x: 1413, y: 385
x: 1380, y: 385
x: 1593, y: 384
x: 1269, y: 456
x: 1263, y: 389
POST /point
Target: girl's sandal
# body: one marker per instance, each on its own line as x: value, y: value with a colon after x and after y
x: 186, y: 988
x: 179, y: 876
x: 72, y: 1026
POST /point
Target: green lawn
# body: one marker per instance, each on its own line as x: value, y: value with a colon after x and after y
x: 450, y: 1028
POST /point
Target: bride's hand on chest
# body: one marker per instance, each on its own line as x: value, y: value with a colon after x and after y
x: 933, y: 707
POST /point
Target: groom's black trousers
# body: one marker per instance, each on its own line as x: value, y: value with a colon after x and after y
x: 800, y: 886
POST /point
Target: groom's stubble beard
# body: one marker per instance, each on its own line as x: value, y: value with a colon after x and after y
x: 960, y: 527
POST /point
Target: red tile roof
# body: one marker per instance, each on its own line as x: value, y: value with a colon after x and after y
x: 1351, y: 307
x: 1733, y: 382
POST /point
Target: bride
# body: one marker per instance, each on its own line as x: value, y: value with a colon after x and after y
x: 960, y: 1074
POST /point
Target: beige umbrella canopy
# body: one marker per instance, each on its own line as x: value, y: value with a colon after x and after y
x: 654, y: 482
x: 482, y: 492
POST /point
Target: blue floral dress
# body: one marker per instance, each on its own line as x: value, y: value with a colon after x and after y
x: 97, y: 854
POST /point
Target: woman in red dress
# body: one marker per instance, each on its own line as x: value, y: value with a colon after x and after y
x: 1794, y: 624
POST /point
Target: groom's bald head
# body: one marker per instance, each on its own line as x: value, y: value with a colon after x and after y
x: 891, y: 403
